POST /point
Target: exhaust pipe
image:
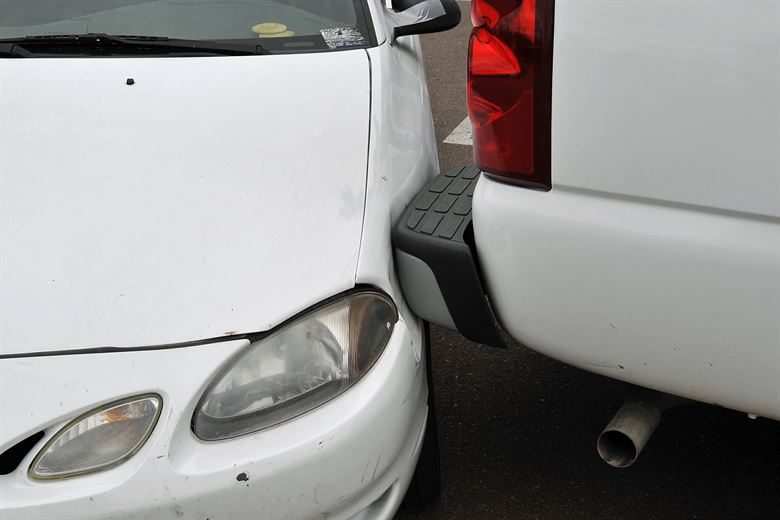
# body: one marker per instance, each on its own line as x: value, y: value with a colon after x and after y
x: 625, y: 436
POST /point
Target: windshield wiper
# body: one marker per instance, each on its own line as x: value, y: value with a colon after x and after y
x: 33, y: 46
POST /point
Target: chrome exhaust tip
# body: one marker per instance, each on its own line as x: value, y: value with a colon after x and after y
x: 626, y: 435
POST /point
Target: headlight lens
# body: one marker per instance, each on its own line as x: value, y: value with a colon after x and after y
x: 297, y: 368
x: 99, y: 439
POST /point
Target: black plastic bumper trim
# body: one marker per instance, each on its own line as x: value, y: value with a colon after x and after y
x: 435, y: 228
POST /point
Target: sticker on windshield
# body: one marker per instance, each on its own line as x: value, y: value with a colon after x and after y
x: 338, y: 37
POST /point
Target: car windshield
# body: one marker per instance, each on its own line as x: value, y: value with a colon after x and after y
x: 277, y: 25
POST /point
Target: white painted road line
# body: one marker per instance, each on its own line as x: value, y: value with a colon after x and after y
x: 461, y: 134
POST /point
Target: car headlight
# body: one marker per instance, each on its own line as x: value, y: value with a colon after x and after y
x: 99, y: 439
x: 297, y: 368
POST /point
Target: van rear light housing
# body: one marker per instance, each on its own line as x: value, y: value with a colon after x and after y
x: 510, y: 89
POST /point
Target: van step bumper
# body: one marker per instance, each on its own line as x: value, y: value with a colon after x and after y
x: 437, y: 266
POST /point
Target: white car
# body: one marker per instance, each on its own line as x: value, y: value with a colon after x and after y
x: 625, y: 216
x: 199, y: 316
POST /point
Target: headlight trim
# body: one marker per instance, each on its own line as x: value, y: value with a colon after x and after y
x: 201, y: 419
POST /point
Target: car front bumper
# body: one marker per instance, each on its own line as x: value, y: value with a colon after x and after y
x: 352, y: 457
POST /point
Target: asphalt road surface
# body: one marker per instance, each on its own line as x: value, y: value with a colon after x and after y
x: 518, y: 430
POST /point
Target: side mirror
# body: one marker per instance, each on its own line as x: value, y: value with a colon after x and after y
x: 423, y: 16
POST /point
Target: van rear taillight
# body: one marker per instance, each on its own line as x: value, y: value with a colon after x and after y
x: 510, y: 89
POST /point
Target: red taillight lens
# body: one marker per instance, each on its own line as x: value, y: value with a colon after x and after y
x: 510, y: 83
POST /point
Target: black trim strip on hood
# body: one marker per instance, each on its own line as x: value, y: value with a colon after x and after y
x: 249, y: 336
x: 109, y: 350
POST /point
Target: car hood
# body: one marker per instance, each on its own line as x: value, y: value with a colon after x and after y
x: 206, y: 197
